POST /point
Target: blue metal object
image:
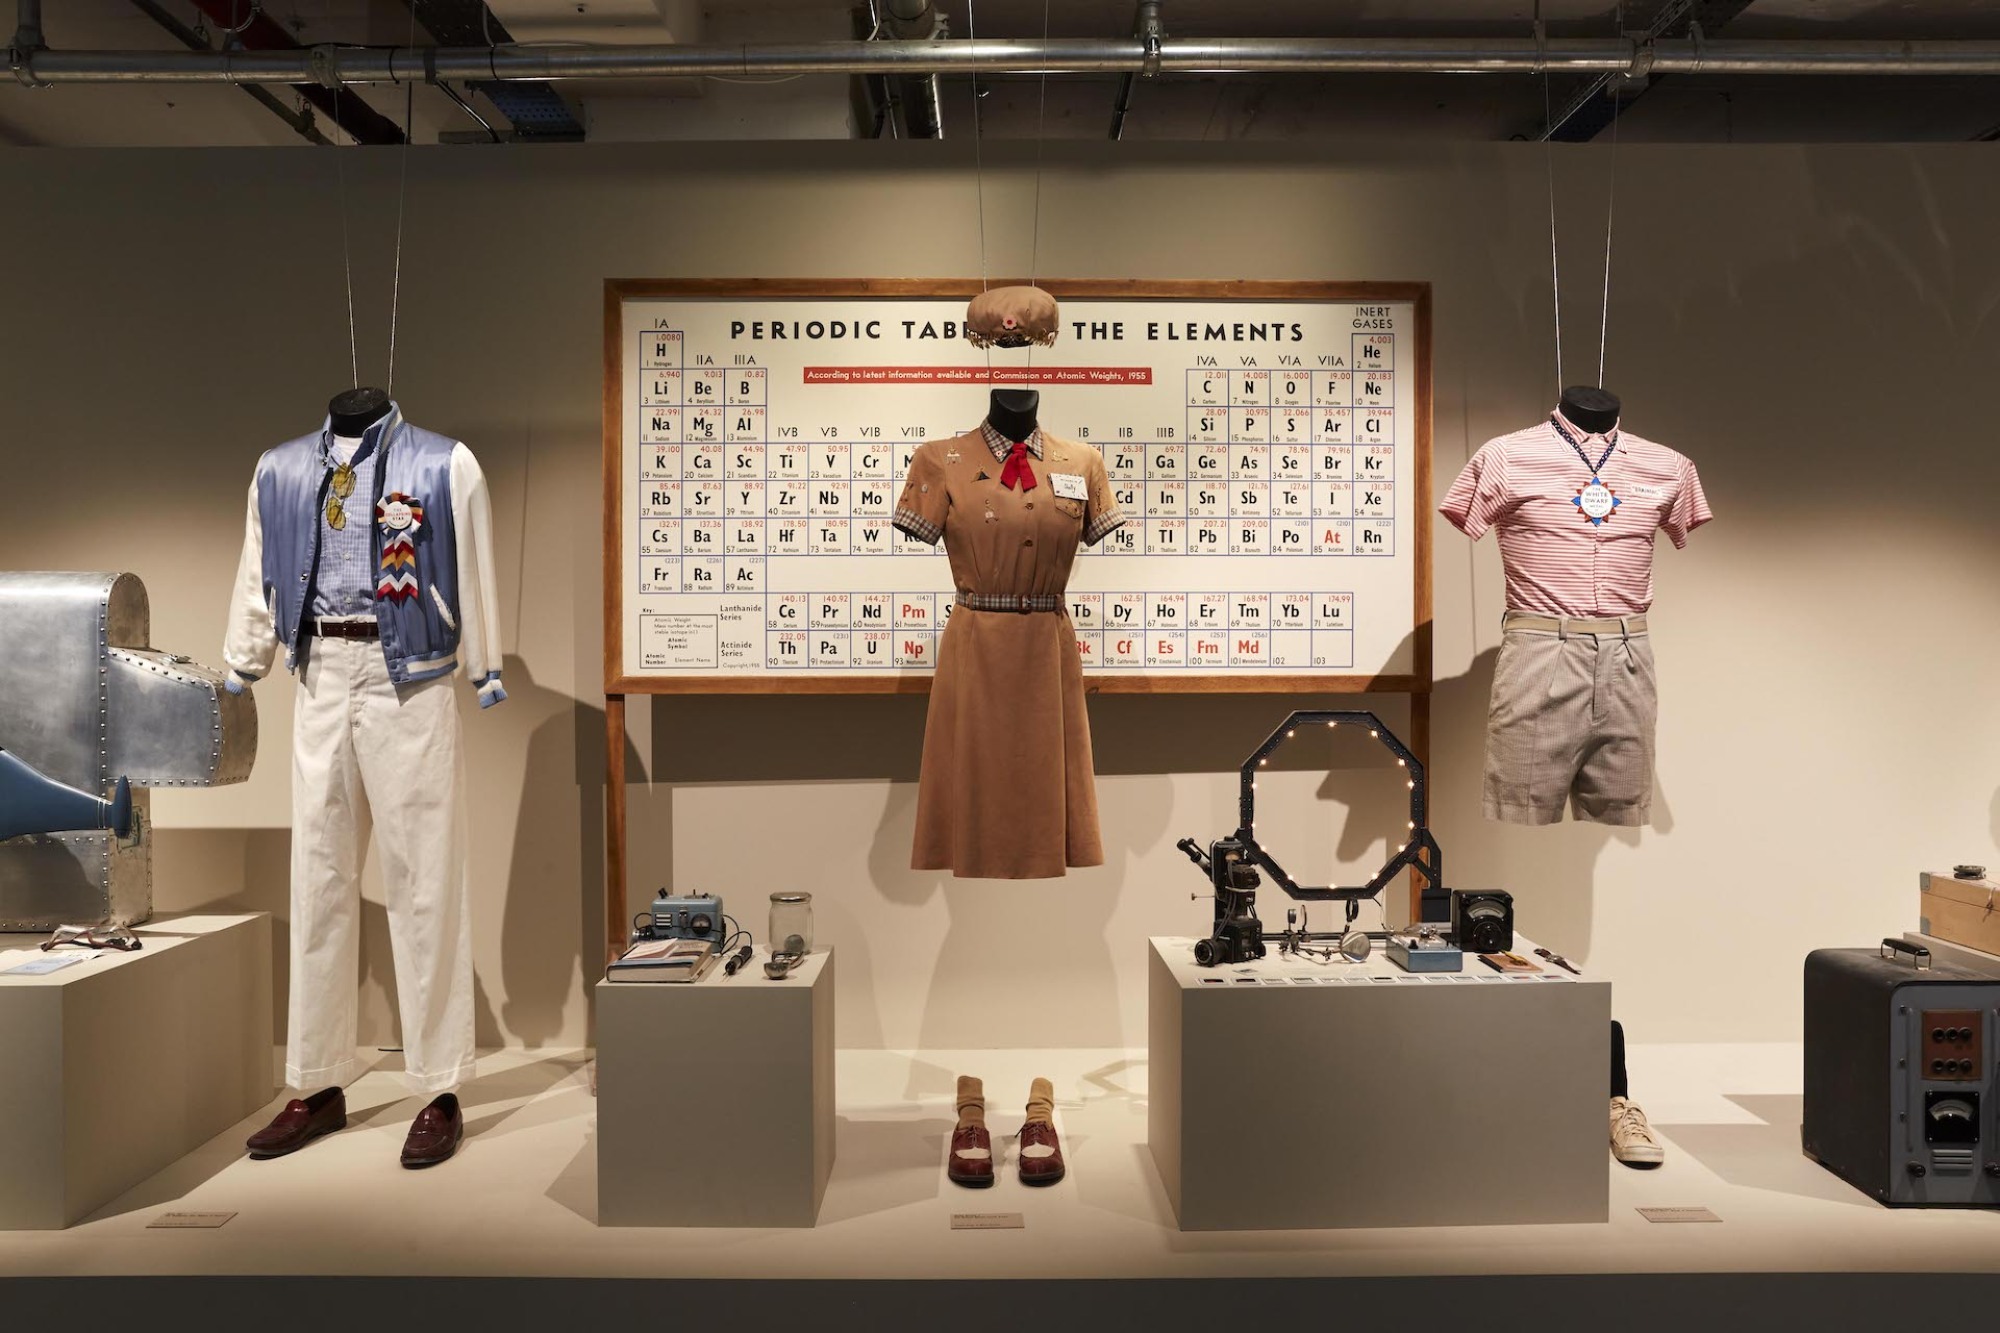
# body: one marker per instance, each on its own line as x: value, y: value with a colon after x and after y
x: 32, y: 802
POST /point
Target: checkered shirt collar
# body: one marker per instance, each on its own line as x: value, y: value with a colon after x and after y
x: 1002, y: 446
x: 371, y: 438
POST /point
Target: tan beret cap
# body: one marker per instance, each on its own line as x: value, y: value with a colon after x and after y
x: 1012, y: 317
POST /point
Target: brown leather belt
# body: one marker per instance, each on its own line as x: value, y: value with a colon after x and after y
x: 1623, y: 626
x: 344, y: 629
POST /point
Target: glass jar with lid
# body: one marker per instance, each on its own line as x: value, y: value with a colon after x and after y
x: 791, y: 914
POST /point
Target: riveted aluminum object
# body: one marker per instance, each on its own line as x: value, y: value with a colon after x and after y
x: 86, y: 699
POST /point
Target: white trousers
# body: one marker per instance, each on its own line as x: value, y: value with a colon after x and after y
x: 365, y: 751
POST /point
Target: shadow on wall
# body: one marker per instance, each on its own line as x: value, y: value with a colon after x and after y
x: 554, y: 873
x: 553, y: 913
x: 1551, y: 871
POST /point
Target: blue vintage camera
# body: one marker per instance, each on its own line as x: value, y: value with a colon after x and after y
x: 696, y: 916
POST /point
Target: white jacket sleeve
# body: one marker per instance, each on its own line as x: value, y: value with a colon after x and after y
x: 478, y: 589
x: 251, y: 642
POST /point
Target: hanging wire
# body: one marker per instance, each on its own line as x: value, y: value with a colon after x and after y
x: 978, y: 166
x: 978, y: 169
x: 1549, y: 165
x: 1041, y: 113
x: 346, y: 247
x: 402, y: 194
x: 1610, y: 207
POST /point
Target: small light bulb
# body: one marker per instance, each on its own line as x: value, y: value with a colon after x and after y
x: 1411, y: 785
x: 1289, y: 733
x: 1262, y: 762
x: 1412, y: 823
x: 1376, y: 734
x: 1333, y: 724
x: 1401, y: 764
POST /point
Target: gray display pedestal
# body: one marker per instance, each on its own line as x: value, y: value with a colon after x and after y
x: 1291, y: 1094
x: 715, y: 1099
x: 116, y: 1067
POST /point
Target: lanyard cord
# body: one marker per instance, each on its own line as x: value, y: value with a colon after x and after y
x: 1610, y: 443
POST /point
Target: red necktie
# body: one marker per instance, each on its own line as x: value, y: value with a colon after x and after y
x: 1017, y: 469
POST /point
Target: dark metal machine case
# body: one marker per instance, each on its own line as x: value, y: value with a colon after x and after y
x: 1900, y: 1095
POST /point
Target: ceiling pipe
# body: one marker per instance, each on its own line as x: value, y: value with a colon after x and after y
x: 333, y: 66
x: 26, y: 43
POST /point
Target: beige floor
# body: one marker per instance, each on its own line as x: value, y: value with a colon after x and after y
x: 520, y: 1198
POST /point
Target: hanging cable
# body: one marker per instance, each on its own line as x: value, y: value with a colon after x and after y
x: 402, y: 195
x: 1035, y: 226
x: 1041, y: 114
x: 1549, y: 166
x: 978, y: 167
x: 346, y: 248
x: 978, y: 171
x: 1610, y: 208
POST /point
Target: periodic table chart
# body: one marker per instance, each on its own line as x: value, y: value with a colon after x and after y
x: 1265, y: 453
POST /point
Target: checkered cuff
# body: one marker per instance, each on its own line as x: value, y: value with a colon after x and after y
x: 1103, y: 526
x: 916, y: 525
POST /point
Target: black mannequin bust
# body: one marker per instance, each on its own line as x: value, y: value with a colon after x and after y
x: 1596, y: 410
x: 1012, y: 412
x: 355, y: 410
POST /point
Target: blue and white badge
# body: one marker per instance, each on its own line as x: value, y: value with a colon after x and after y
x: 1596, y: 502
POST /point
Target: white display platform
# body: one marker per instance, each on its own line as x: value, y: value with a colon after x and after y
x: 115, y: 1067
x: 715, y: 1098
x: 1293, y: 1093
x: 1795, y: 1247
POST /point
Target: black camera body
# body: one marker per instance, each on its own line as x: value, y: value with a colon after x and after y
x: 1482, y: 920
x: 1236, y: 936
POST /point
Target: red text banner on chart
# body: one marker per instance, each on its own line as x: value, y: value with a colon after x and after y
x: 1268, y: 442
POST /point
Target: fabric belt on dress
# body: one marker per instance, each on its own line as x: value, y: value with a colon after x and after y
x: 1623, y: 626
x: 997, y: 601
x: 344, y: 629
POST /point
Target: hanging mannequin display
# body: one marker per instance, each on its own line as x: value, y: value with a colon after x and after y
x: 1007, y: 790
x: 367, y: 556
x: 1575, y: 501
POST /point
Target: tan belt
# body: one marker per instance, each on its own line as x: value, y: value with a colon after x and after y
x: 1623, y: 626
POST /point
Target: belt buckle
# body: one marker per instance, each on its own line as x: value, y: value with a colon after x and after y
x: 1024, y: 604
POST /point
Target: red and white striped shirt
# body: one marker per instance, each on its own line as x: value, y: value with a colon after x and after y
x: 1530, y: 487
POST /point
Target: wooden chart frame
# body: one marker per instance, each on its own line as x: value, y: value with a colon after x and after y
x: 617, y: 685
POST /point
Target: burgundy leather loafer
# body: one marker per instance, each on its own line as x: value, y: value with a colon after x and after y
x: 300, y: 1123
x: 435, y: 1133
x: 971, y: 1161
x: 1041, y: 1154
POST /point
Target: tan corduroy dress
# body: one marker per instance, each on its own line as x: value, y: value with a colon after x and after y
x: 1007, y: 790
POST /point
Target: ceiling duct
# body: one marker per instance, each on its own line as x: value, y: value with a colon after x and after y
x: 917, y: 94
x: 533, y: 107
x: 262, y: 35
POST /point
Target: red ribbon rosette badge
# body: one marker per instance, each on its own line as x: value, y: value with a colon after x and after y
x: 400, y: 517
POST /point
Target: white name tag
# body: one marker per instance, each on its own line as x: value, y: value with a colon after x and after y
x: 1650, y: 492
x: 1069, y: 486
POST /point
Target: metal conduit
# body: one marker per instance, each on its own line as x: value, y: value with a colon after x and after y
x: 332, y: 66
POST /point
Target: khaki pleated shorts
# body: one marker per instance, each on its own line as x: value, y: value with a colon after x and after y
x: 1574, y: 707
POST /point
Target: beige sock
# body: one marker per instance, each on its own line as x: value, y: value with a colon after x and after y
x: 971, y: 1102
x: 1041, y: 1101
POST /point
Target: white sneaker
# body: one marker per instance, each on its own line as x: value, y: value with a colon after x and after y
x: 1633, y: 1141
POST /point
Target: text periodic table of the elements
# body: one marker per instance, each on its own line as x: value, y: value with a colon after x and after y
x: 1267, y: 455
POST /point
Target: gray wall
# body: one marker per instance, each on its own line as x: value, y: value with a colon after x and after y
x: 1815, y: 327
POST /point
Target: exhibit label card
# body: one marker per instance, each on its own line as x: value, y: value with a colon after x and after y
x: 47, y: 963
x: 188, y: 1221
x: 988, y: 1222
x: 1678, y: 1215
